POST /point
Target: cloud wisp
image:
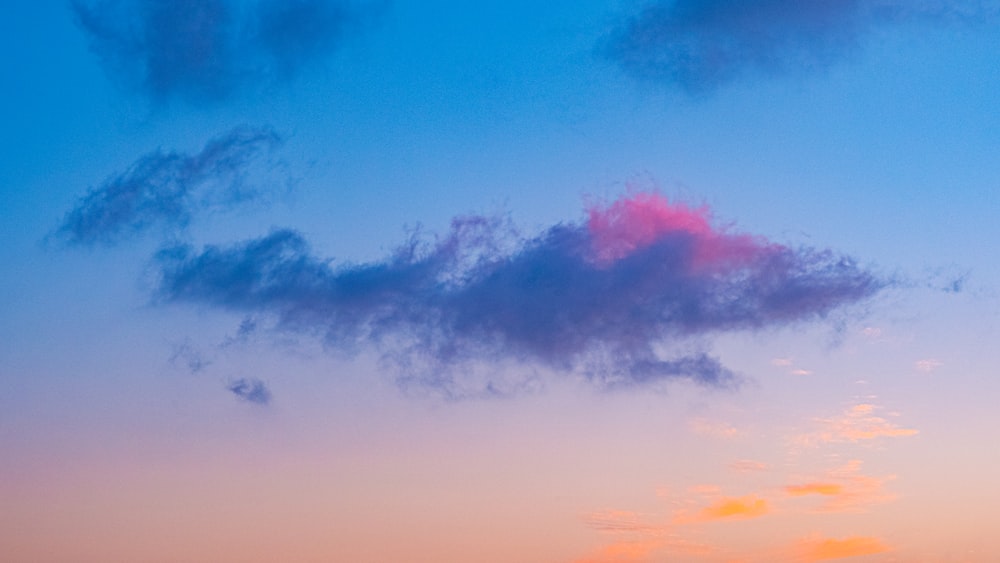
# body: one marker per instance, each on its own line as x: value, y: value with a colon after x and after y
x: 698, y: 46
x: 858, y: 424
x: 601, y: 297
x: 166, y: 188
x: 844, y: 489
x: 250, y: 390
x: 205, y: 51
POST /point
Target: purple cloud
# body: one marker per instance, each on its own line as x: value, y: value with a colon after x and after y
x: 165, y: 188
x: 205, y: 51
x: 251, y: 390
x: 698, y: 46
x: 596, y: 298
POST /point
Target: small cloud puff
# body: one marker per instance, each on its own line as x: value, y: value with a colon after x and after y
x: 251, y: 390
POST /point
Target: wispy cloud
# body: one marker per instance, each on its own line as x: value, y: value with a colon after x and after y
x: 187, y: 356
x: 166, y: 188
x: 720, y: 430
x: 823, y: 549
x: 735, y: 508
x: 208, y: 50
x: 827, y: 489
x: 251, y: 390
x: 748, y: 466
x: 858, y: 423
x: 698, y: 46
x: 928, y: 365
x: 637, y: 539
x: 845, y: 489
x: 595, y: 297
x: 621, y: 521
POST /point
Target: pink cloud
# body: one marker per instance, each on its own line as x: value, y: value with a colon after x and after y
x: 747, y: 466
x: 632, y: 223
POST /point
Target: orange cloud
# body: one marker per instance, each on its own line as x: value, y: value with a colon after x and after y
x: 846, y: 489
x: 829, y: 548
x: 827, y: 489
x: 624, y: 551
x: 735, y: 508
x: 644, y: 550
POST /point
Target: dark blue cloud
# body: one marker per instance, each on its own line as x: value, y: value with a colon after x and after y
x: 167, y: 188
x: 251, y: 390
x: 701, y: 45
x: 209, y: 50
x: 482, y: 295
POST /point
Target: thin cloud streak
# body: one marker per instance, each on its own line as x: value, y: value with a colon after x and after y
x: 166, y: 189
x: 596, y: 298
x: 699, y: 46
x: 205, y: 51
x: 824, y: 549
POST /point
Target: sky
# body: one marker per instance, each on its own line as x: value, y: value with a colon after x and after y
x: 579, y: 282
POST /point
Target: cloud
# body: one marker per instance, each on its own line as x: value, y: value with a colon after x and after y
x: 720, y: 430
x: 600, y: 298
x: 698, y: 46
x: 166, y: 188
x: 636, y: 539
x: 823, y: 549
x: 748, y: 466
x: 827, y: 489
x: 621, y: 521
x: 928, y: 365
x: 251, y: 390
x: 846, y: 489
x: 209, y: 50
x: 733, y: 508
x: 858, y: 423
x: 186, y: 355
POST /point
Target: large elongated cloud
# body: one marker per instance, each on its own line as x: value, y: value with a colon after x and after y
x: 208, y: 50
x: 700, y: 45
x: 166, y: 188
x: 600, y: 297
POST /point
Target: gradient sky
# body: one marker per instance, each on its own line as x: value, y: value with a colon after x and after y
x: 385, y: 280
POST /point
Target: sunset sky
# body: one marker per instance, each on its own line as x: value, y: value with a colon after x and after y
x: 558, y: 282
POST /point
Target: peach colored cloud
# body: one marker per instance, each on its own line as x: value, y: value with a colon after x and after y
x: 858, y: 423
x: 823, y: 549
x: 644, y: 550
x: 735, y: 508
x: 621, y: 521
x: 638, y: 539
x: 845, y: 489
x: 721, y: 430
x: 828, y: 489
x: 623, y: 551
x: 747, y: 466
